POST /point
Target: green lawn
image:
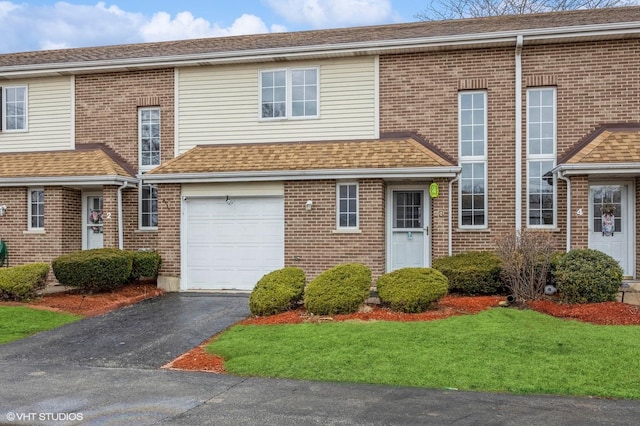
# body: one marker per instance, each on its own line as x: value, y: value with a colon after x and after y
x: 501, y: 350
x: 17, y: 322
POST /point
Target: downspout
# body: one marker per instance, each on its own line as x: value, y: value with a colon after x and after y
x: 451, y: 213
x: 120, y: 222
x: 518, y: 135
x: 561, y: 176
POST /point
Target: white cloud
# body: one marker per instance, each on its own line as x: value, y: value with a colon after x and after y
x: 62, y: 25
x: 333, y: 13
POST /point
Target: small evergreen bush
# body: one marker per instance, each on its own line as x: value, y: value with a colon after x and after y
x: 412, y: 290
x: 22, y: 283
x: 144, y: 264
x: 339, y: 290
x: 473, y: 272
x: 588, y: 276
x: 277, y: 291
x: 94, y: 270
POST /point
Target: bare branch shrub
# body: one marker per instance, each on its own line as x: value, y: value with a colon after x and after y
x: 526, y: 260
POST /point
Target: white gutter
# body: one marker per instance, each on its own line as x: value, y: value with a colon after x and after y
x: 120, y: 220
x: 408, y: 173
x: 336, y: 49
x: 451, y: 214
x: 518, y: 135
x: 66, y: 181
x: 564, y: 178
x: 598, y: 169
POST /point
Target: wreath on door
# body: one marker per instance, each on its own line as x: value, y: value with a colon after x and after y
x: 96, y: 218
x: 608, y: 219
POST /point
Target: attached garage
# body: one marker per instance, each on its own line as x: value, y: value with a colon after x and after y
x: 231, y: 242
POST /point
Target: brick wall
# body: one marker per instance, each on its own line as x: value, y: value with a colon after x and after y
x: 169, y: 229
x: 310, y: 238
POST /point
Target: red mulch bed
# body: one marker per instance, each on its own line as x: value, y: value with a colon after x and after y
x: 597, y: 313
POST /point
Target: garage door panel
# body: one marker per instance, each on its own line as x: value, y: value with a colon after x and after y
x: 232, y: 246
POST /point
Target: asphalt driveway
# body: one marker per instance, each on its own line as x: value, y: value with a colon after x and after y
x: 105, y: 370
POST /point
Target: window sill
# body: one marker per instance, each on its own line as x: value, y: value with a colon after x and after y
x: 480, y: 230
x: 543, y: 228
x: 34, y: 232
x: 347, y: 231
x: 146, y: 230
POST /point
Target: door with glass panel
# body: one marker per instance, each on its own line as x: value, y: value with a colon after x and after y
x: 609, y: 223
x: 93, y: 222
x: 407, y: 229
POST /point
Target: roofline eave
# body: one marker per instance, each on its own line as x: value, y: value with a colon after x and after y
x: 386, y: 173
x: 77, y: 181
x: 597, y: 169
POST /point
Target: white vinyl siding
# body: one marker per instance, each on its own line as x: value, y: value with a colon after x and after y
x: 50, y: 117
x: 218, y: 105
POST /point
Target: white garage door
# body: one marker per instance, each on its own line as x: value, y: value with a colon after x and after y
x: 231, y: 244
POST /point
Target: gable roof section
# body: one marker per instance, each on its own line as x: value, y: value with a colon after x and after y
x: 87, y: 165
x: 610, y: 149
x: 400, y: 155
x: 502, y: 30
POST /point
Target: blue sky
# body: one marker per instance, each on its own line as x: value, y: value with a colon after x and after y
x: 42, y: 24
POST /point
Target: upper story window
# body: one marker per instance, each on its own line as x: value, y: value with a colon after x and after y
x: 541, y: 157
x: 289, y: 93
x: 472, y: 136
x: 36, y: 209
x: 347, y: 211
x: 149, y: 137
x: 14, y: 108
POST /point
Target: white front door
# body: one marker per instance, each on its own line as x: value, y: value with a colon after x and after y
x: 407, y: 228
x: 92, y: 222
x: 610, y: 225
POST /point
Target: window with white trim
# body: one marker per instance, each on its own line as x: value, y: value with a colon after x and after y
x: 289, y: 93
x: 148, y: 206
x: 347, y: 205
x: 14, y: 109
x: 472, y: 136
x: 36, y: 209
x: 541, y: 157
x: 149, y: 138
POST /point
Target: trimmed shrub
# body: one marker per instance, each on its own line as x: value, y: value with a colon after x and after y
x: 144, y: 264
x: 278, y: 291
x: 412, y: 290
x: 21, y: 283
x: 339, y: 290
x: 588, y: 276
x: 473, y: 272
x: 94, y: 270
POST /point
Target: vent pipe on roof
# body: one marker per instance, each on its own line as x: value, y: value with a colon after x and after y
x: 518, y: 135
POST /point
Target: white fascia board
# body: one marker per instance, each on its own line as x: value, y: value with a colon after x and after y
x: 67, y: 181
x: 597, y: 169
x: 342, y: 49
x: 405, y: 173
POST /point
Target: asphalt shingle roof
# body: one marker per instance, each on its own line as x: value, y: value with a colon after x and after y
x: 612, y: 143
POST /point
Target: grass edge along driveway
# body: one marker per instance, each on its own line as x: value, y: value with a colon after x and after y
x: 17, y: 322
x: 499, y: 350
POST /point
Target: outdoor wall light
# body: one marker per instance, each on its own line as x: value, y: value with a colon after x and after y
x: 309, y: 205
x: 3, y: 210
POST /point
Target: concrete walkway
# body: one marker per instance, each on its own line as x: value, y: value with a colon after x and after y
x: 105, y: 370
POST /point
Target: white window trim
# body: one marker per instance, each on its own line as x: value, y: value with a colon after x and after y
x: 3, y: 107
x: 544, y: 157
x: 146, y: 168
x: 140, y: 226
x: 30, y: 212
x: 347, y: 229
x: 288, y: 95
x: 470, y: 159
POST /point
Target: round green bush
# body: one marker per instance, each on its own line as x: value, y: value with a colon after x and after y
x: 144, y: 264
x: 339, y: 290
x: 588, y: 276
x: 94, y: 270
x: 412, y: 290
x: 22, y: 283
x: 277, y: 291
x: 472, y: 273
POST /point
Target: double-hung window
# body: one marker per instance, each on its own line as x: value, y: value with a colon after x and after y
x: 149, y: 138
x: 541, y: 157
x: 36, y: 209
x: 289, y: 93
x: 148, y: 206
x: 347, y: 203
x: 472, y: 135
x: 14, y: 108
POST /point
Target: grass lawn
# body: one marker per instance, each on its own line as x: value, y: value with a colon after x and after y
x: 17, y: 322
x: 501, y: 350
